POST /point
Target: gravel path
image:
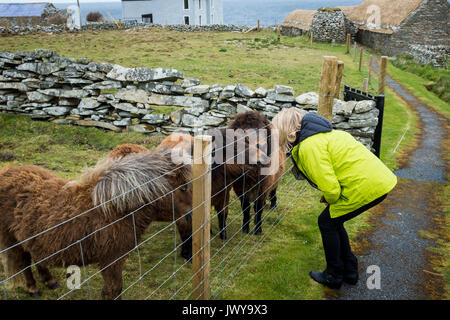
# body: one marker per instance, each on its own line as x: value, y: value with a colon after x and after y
x: 394, y: 244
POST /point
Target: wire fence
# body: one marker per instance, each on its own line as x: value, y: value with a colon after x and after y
x: 140, y: 246
x: 153, y: 268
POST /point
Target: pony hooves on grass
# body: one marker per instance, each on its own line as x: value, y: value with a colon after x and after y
x: 54, y: 286
x: 36, y: 294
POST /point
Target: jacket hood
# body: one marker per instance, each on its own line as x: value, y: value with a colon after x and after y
x: 312, y: 124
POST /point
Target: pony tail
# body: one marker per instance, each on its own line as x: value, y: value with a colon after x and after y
x: 132, y: 182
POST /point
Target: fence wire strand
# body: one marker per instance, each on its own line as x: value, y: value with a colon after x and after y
x: 177, y: 245
x: 220, y: 267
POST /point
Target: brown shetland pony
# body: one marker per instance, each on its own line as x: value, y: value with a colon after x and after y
x: 224, y: 173
x: 126, y: 149
x: 95, y: 220
x: 265, y: 186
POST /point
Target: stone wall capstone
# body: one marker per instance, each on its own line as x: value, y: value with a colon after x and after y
x: 46, y: 86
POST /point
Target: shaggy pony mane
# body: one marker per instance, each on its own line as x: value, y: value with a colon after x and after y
x: 135, y: 180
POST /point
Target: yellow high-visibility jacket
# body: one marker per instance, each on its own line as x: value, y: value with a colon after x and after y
x: 347, y: 173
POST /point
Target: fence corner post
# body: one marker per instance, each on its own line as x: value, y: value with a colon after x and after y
x: 339, y: 75
x: 328, y: 87
x: 382, y: 79
x: 380, y: 102
x: 347, y: 51
x: 361, y: 52
x: 201, y: 217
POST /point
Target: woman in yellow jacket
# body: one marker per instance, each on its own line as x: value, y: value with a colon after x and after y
x: 351, y: 178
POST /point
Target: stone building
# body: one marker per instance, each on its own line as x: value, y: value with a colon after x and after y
x: 416, y: 27
x: 173, y: 12
x: 325, y: 23
x: 29, y: 13
x: 331, y: 24
x: 297, y: 22
x: 402, y: 26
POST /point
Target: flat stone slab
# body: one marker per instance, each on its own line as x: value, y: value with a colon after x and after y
x: 98, y: 124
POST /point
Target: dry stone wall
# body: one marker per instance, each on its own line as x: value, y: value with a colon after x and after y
x: 30, y: 28
x: 46, y: 86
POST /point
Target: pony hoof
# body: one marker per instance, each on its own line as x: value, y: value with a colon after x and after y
x: 258, y: 232
x: 53, y: 286
x: 223, y: 236
x: 245, y: 230
x: 36, y: 294
x: 273, y: 207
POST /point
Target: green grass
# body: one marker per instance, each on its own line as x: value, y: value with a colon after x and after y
x: 290, y: 246
x: 415, y: 78
x: 213, y: 57
x: 279, y: 268
x: 438, y: 78
x: 417, y: 85
x: 65, y: 149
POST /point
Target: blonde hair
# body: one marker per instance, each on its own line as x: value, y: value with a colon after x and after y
x: 288, y: 122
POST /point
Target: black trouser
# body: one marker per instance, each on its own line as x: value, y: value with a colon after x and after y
x: 340, y: 259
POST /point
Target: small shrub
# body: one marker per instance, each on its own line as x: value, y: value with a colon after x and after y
x: 94, y: 17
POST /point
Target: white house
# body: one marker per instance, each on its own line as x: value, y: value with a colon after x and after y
x: 189, y: 12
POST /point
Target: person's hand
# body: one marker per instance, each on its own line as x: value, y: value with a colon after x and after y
x: 322, y: 200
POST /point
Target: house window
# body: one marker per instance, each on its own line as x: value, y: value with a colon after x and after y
x: 186, y: 4
x: 147, y: 18
x: 200, y: 4
x: 186, y: 20
x: 200, y: 20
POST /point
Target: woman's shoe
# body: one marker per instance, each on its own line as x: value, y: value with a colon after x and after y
x: 351, y: 279
x: 327, y: 279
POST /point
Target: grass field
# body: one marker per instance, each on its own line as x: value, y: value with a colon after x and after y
x: 279, y: 268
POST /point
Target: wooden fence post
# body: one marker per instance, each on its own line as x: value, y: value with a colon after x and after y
x: 354, y: 57
x: 5, y: 24
x: 311, y: 38
x: 382, y: 79
x: 361, y: 52
x: 348, y: 43
x: 258, y: 25
x: 366, y: 85
x: 327, y: 87
x: 279, y: 34
x: 340, y: 73
x: 201, y: 215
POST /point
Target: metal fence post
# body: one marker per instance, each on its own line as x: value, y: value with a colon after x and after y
x: 380, y: 101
